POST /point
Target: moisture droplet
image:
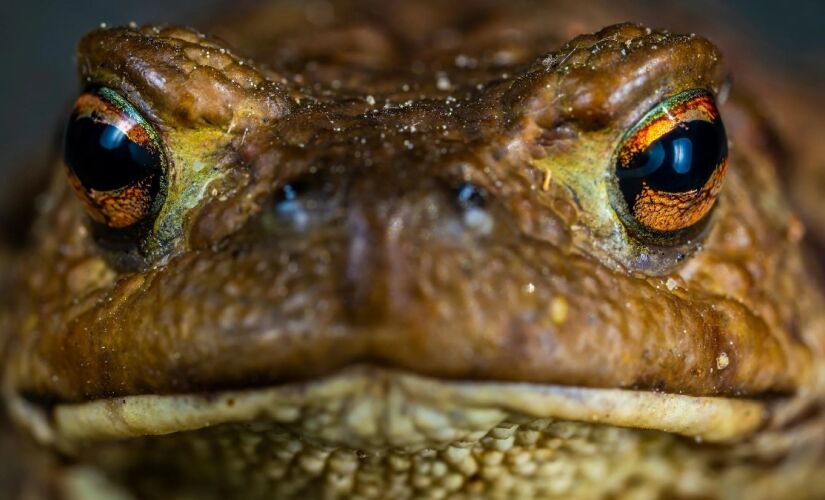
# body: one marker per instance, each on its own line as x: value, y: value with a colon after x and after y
x: 722, y: 361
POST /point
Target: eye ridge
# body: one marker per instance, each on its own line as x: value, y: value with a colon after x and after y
x: 670, y: 167
x: 114, y: 160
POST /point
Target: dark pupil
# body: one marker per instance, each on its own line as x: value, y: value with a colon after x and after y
x: 680, y: 161
x: 103, y: 157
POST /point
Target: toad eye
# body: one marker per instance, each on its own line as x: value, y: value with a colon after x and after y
x: 670, y: 166
x: 114, y: 160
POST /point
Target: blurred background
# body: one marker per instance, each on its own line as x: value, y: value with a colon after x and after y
x: 37, y: 42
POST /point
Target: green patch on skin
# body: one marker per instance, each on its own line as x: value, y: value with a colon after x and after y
x: 580, y: 166
x: 195, y: 158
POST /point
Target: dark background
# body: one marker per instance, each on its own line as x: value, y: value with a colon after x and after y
x: 37, y: 43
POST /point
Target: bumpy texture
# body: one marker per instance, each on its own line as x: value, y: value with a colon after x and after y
x: 527, y: 459
x: 390, y: 261
x: 380, y: 116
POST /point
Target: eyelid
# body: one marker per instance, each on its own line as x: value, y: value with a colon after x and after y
x: 687, y: 106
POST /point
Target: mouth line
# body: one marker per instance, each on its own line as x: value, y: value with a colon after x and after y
x: 376, y: 408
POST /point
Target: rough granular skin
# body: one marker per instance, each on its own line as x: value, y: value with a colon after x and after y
x: 528, y: 459
x: 449, y: 292
x: 428, y: 190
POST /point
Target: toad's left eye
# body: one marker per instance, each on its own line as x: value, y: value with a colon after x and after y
x: 114, y: 159
x: 670, y: 167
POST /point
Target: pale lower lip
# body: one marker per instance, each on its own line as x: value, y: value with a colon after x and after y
x: 375, y: 407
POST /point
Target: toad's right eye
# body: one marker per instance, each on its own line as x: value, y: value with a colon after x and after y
x: 115, y: 162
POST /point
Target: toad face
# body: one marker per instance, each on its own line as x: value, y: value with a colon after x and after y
x: 398, y: 245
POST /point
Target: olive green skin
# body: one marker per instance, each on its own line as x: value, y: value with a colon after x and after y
x: 383, y: 114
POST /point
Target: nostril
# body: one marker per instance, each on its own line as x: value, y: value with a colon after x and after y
x: 287, y: 194
x: 473, y: 200
x: 290, y: 207
x: 303, y: 202
x: 469, y: 196
x: 292, y: 192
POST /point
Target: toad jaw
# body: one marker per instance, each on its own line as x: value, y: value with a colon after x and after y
x: 371, y: 408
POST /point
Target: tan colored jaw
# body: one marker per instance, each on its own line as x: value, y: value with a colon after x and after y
x: 371, y: 408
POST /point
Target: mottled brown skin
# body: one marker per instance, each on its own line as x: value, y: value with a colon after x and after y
x: 382, y: 114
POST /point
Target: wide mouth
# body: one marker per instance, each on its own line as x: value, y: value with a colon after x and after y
x: 366, y: 407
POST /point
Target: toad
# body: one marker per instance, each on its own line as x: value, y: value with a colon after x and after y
x: 417, y: 251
